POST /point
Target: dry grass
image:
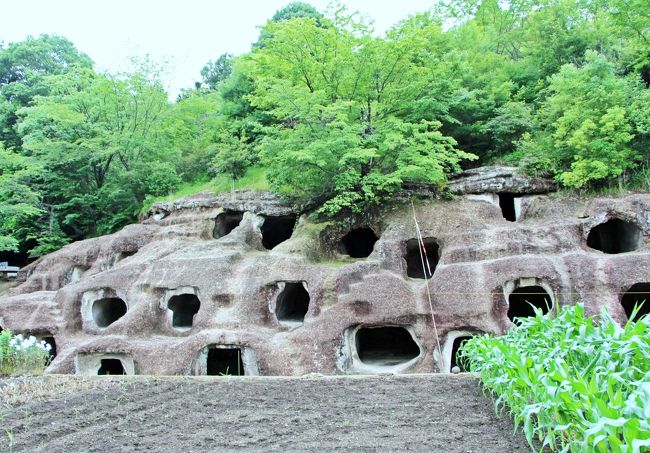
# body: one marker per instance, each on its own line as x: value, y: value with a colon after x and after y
x: 18, y: 391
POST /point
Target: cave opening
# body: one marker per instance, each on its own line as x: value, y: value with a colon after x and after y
x: 50, y: 340
x: 414, y: 259
x: 276, y: 230
x: 520, y: 300
x: 226, y: 222
x: 108, y: 310
x: 111, y: 366
x: 385, y: 346
x: 456, y: 347
x: 359, y: 243
x: 507, y: 205
x: 183, y: 307
x: 292, y: 303
x: 615, y: 236
x: 637, y: 295
x: 224, y: 362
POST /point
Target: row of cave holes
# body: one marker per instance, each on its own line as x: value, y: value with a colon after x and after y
x: 220, y: 362
x: 292, y: 305
x: 613, y: 236
x: 389, y: 346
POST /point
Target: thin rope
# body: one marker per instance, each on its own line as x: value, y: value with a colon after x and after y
x: 426, y: 279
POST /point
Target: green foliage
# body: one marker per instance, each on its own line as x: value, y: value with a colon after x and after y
x: 215, y: 72
x: 21, y: 355
x: 575, y: 383
x: 587, y: 120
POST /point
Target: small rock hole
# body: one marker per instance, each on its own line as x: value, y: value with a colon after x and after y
x: 637, y: 295
x: 292, y: 303
x: 414, y: 259
x: 111, y: 366
x: 359, y: 243
x: 184, y: 307
x: 507, y: 205
x: 226, y: 222
x: 615, y: 236
x: 106, y: 311
x: 455, y: 350
x: 276, y: 230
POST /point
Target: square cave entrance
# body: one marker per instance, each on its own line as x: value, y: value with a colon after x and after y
x: 276, y: 230
x: 416, y: 256
x: 111, y: 366
x: 224, y: 360
x: 358, y: 243
x: 292, y: 303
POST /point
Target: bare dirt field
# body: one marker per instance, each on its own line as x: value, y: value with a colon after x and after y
x: 433, y: 413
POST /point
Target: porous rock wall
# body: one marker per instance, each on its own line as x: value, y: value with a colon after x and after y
x: 238, y: 282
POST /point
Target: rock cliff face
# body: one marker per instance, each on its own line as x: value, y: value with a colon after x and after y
x: 243, y: 284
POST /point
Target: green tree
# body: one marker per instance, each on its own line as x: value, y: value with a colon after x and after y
x: 215, y: 72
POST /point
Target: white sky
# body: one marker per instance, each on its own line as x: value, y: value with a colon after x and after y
x: 185, y: 33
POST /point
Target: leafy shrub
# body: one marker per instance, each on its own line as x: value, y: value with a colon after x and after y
x: 20, y: 355
x: 576, y: 383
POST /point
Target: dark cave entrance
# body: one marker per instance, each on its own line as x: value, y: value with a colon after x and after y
x: 224, y: 361
x: 507, y: 205
x: 414, y: 260
x: 292, y: 303
x: 614, y: 236
x: 385, y: 346
x: 183, y: 307
x: 111, y: 366
x: 50, y: 340
x: 106, y: 311
x: 359, y: 243
x: 226, y: 222
x: 638, y: 294
x: 520, y: 300
x: 276, y: 230
x: 456, y: 347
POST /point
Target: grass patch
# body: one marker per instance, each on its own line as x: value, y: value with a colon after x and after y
x: 575, y: 383
x: 254, y: 179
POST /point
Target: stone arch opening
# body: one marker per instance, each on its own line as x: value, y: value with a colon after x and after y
x: 226, y: 222
x: 183, y: 307
x: 111, y: 366
x: 457, y: 345
x: 413, y: 258
x: 359, y: 242
x: 108, y: 310
x: 292, y: 303
x: 507, y: 203
x: 524, y: 299
x: 615, y: 236
x: 385, y: 346
x: 276, y: 230
x: 454, y: 342
x: 224, y: 362
x: 637, y: 295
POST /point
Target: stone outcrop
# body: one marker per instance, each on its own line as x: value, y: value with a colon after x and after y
x: 242, y: 284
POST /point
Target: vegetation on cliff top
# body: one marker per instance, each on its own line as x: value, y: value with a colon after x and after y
x: 328, y: 111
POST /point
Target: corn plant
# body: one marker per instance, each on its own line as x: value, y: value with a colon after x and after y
x: 22, y: 355
x: 574, y: 383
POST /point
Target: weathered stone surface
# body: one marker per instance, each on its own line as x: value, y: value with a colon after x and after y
x: 483, y: 258
x: 498, y: 179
